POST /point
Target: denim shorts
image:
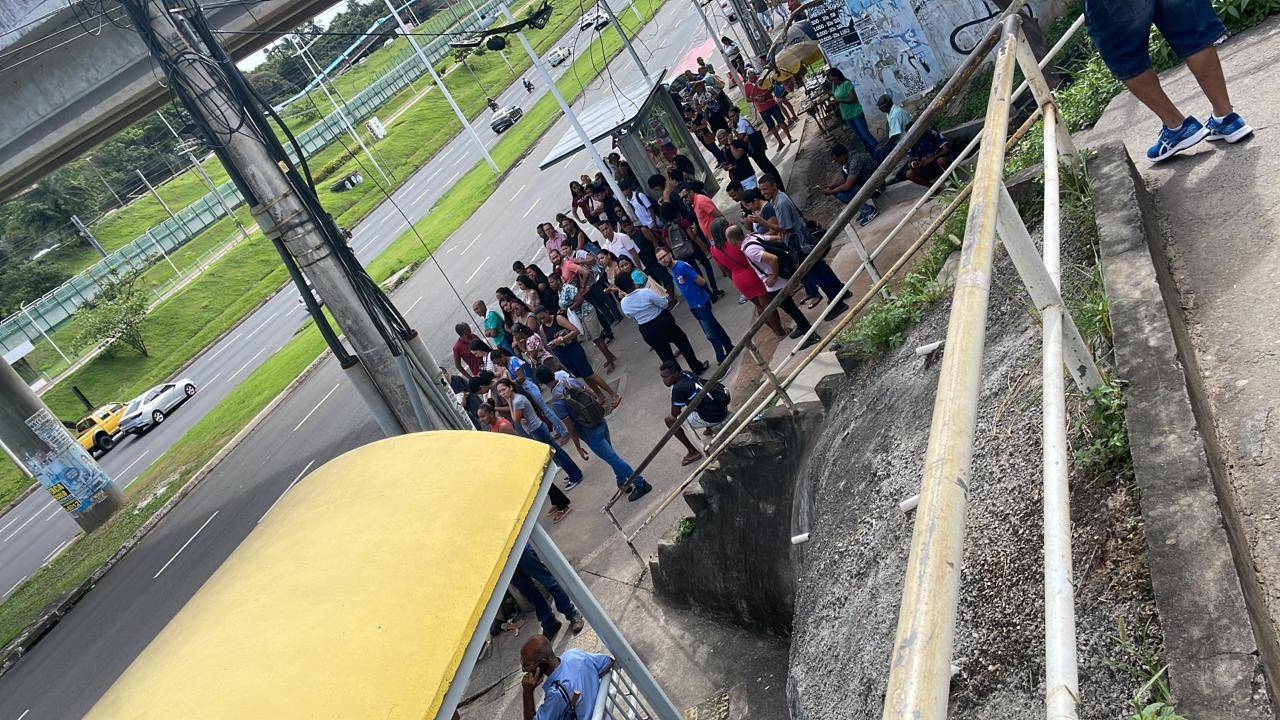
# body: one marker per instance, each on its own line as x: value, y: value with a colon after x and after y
x: 1120, y: 30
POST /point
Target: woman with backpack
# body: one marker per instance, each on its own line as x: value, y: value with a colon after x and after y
x: 730, y: 258
x: 772, y: 262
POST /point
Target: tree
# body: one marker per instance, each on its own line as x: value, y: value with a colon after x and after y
x: 116, y: 315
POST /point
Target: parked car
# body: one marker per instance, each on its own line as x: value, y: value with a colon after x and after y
x: 505, y: 118
x: 151, y: 407
x: 589, y: 18
x: 558, y: 55
x: 97, y: 431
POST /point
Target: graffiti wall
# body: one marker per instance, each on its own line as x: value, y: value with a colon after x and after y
x: 905, y: 48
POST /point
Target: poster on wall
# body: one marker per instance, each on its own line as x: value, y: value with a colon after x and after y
x: 67, y: 471
x: 893, y: 54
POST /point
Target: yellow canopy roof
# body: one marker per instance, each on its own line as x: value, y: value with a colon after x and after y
x: 356, y: 597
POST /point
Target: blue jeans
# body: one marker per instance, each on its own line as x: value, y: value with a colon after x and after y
x: 559, y: 456
x: 530, y: 568
x: 860, y: 130
x: 715, y: 333
x: 597, y: 438
x: 1120, y: 29
x: 531, y: 389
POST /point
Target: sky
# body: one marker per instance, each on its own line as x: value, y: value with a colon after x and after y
x: 322, y: 19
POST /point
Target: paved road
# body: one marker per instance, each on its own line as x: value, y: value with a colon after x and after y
x: 320, y: 420
x: 32, y: 533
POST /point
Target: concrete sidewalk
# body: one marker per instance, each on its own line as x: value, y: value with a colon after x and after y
x: 1219, y: 209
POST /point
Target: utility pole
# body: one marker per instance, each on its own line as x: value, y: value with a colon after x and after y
x: 39, y: 443
x: 627, y: 41
x: 103, y: 180
x: 342, y: 110
x: 187, y: 148
x: 156, y: 195
x: 587, y: 144
x: 85, y: 233
x: 440, y: 84
x: 44, y: 334
x: 285, y: 215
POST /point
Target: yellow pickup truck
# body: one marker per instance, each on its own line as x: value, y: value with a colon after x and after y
x: 97, y: 430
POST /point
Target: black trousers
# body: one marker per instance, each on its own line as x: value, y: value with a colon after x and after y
x: 558, y: 499
x: 662, y: 332
x: 789, y: 307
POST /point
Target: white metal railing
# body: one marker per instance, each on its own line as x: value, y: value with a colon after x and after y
x: 920, y: 671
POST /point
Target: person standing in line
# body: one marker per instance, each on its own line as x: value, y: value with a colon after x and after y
x: 1120, y: 28
x: 767, y: 105
x: 657, y: 326
x: 768, y: 267
x: 648, y: 254
x: 561, y: 337
x: 737, y: 159
x: 574, y: 304
x: 529, y: 569
x: 588, y: 422
x: 462, y: 354
x: 761, y: 9
x: 694, y: 289
x: 757, y: 147
x: 580, y: 200
x: 713, y: 410
x: 521, y: 373
x: 675, y: 211
x: 526, y: 418
x: 620, y: 243
x: 495, y: 326
x: 846, y: 98
x: 730, y: 257
x: 493, y: 422
x: 783, y: 217
x: 780, y: 94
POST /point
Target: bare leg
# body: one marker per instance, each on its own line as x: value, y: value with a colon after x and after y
x: 773, y: 321
x: 694, y: 453
x: 610, y: 359
x: 1207, y: 68
x: 609, y: 394
x: 1146, y: 87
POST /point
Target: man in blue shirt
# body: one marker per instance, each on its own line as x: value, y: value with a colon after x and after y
x: 693, y: 288
x: 569, y: 682
x: 657, y: 326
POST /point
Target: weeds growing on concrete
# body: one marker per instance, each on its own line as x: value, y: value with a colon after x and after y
x: 684, y: 528
x: 1152, y: 700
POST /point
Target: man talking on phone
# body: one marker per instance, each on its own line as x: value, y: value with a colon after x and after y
x: 569, y: 682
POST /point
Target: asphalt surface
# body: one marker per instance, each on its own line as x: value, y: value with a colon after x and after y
x: 321, y: 419
x: 33, y: 532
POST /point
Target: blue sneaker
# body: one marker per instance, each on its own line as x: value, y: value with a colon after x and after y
x: 1172, y: 142
x: 1231, y: 128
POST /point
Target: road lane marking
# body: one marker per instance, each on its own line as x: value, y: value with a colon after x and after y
x: 185, y: 544
x: 264, y: 324
x: 35, y: 515
x: 5, y: 595
x: 56, y: 550
x: 533, y: 205
x: 477, y: 270
x: 24, y: 713
x: 53, y: 512
x: 215, y: 377
x: 317, y: 407
x: 246, y: 363
x: 519, y: 190
x: 225, y: 345
x: 473, y: 242
x: 286, y: 491
x: 135, y: 462
x: 414, y: 305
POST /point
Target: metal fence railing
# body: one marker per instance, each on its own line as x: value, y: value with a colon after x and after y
x: 58, y: 305
x: 920, y: 671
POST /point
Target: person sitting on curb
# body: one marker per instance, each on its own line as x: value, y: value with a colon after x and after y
x: 713, y: 410
x: 854, y: 172
x: 929, y: 156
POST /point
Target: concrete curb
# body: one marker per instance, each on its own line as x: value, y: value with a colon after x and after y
x: 1215, y: 668
x: 18, y: 500
x: 53, y: 614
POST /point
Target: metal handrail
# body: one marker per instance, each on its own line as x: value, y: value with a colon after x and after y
x: 920, y: 672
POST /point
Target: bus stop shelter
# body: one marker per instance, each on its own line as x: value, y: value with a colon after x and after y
x: 369, y: 591
x: 647, y: 128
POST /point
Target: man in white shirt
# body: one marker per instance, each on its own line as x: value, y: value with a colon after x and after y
x: 620, y: 244
x: 657, y: 326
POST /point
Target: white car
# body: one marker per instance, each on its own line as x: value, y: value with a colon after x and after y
x: 588, y: 18
x: 558, y: 55
x: 151, y: 407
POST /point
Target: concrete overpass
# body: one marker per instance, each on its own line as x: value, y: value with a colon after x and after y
x: 69, y: 80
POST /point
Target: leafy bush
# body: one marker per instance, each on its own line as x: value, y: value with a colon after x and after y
x: 884, y: 326
x: 116, y: 315
x: 1105, y: 454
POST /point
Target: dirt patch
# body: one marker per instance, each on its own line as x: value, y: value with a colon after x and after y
x: 869, y: 457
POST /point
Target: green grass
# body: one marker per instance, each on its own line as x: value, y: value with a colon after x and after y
x: 164, y: 477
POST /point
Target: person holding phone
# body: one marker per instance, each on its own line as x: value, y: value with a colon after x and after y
x: 569, y: 682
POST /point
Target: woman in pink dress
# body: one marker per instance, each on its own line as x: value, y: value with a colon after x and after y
x: 731, y: 258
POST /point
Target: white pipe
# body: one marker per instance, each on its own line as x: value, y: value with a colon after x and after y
x: 1062, y: 689
x: 800, y: 539
x: 909, y: 504
x: 929, y: 347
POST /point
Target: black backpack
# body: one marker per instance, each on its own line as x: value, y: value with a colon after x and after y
x: 584, y: 408
x: 787, y: 260
x: 715, y: 406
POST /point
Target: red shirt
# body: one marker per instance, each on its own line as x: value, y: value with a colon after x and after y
x: 503, y: 425
x: 569, y: 271
x: 760, y: 97
x: 462, y: 351
x: 705, y: 209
